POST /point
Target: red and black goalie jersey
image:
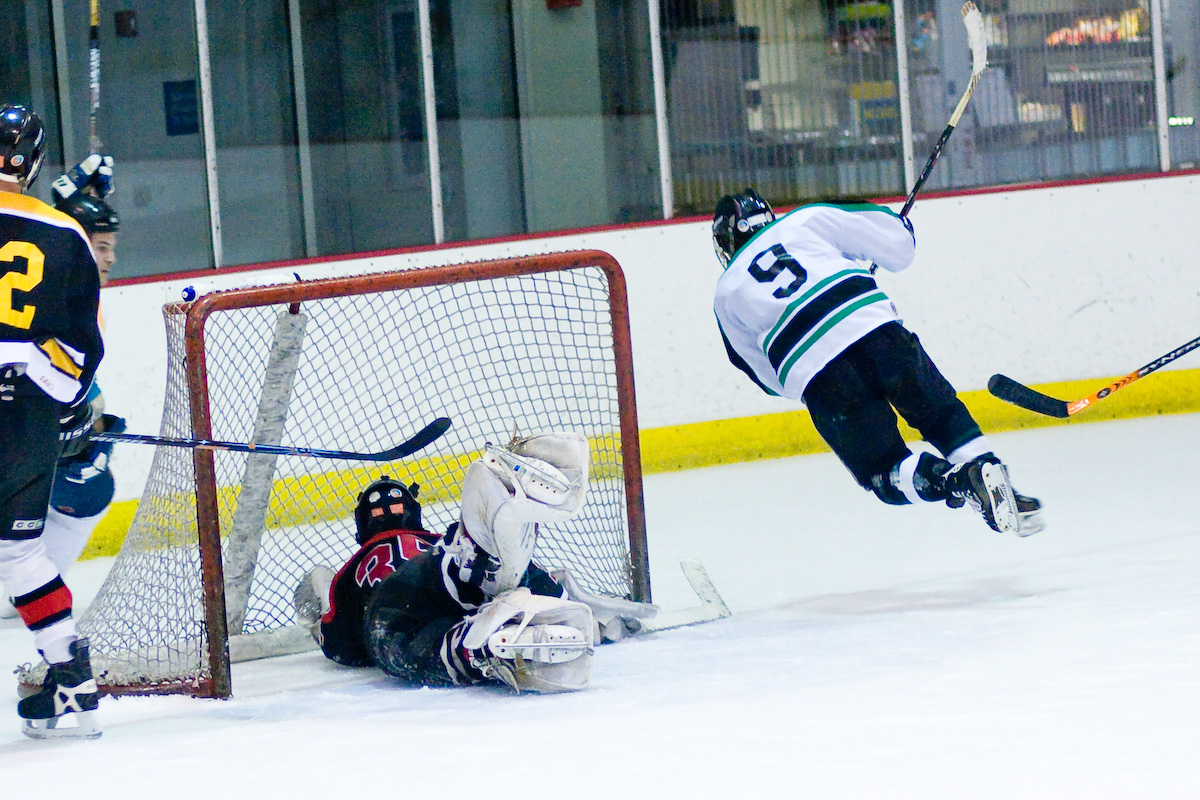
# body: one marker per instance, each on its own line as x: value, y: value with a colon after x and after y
x: 342, y: 638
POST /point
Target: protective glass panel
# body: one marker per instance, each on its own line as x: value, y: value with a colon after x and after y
x: 1069, y: 90
x: 365, y: 121
x: 799, y: 99
x: 27, y: 78
x: 257, y: 167
x: 150, y: 120
x: 1181, y: 23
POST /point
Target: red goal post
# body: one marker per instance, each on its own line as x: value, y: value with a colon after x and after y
x: 220, y: 539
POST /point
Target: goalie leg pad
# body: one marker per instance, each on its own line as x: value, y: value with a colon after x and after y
x: 541, y: 478
x: 499, y: 525
x: 530, y: 642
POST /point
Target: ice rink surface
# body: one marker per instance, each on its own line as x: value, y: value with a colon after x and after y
x: 874, y: 652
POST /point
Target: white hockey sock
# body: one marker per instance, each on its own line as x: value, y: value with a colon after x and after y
x: 55, y: 640
x: 970, y: 451
x: 904, y: 473
x: 65, y: 537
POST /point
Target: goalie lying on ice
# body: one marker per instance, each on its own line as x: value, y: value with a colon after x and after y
x: 469, y: 607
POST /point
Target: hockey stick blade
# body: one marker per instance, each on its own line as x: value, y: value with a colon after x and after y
x: 1021, y: 395
x: 711, y: 607
x: 424, y: 437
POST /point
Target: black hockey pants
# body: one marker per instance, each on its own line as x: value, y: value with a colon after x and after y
x: 408, y: 617
x: 852, y: 398
x: 29, y: 449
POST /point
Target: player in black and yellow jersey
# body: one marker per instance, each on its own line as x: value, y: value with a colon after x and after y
x: 50, y: 347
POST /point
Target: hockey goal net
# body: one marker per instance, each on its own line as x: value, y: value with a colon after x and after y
x: 221, y: 539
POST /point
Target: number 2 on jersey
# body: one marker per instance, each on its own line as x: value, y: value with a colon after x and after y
x: 783, y: 261
x: 14, y: 281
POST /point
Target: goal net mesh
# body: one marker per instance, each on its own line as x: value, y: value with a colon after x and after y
x: 354, y: 365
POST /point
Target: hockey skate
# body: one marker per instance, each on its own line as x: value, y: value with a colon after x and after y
x: 983, y: 484
x: 69, y: 689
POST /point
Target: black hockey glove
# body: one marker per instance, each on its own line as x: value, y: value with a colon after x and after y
x: 95, y: 171
x: 74, y: 428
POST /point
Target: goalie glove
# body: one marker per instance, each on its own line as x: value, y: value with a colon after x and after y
x: 94, y: 172
x: 541, y: 478
x: 311, y: 599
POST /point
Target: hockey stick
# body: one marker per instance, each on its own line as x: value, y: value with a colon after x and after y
x: 425, y: 437
x: 711, y: 607
x: 973, y: 21
x: 94, y: 74
x: 646, y: 617
x: 1021, y: 395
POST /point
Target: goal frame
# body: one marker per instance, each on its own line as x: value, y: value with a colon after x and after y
x: 293, y: 295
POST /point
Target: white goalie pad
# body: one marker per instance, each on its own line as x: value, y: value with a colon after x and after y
x: 540, y: 478
x: 546, y: 469
x: 534, y: 643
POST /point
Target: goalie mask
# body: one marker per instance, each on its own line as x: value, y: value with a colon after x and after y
x: 386, y: 505
x: 737, y: 218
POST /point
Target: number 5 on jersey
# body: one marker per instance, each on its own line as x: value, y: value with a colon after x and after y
x: 782, y: 261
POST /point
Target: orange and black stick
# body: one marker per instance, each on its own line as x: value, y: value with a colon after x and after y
x: 1021, y: 395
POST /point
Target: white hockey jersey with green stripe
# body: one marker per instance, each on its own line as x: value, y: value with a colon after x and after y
x: 796, y: 295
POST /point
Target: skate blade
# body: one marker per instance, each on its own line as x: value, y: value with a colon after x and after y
x: 1030, y: 523
x: 1000, y: 494
x: 85, y: 726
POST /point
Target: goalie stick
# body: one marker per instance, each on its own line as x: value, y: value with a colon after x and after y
x: 424, y: 437
x: 711, y: 607
x: 973, y: 21
x: 647, y: 617
x: 1029, y: 399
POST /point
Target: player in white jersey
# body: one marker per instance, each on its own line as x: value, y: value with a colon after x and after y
x: 800, y: 314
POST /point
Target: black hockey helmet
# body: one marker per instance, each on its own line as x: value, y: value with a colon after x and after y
x: 22, y: 143
x: 386, y: 505
x: 93, y: 214
x: 736, y: 219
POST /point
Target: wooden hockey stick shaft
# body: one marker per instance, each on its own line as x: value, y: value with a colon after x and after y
x: 94, y: 75
x: 974, y: 24
x: 1021, y: 395
x: 423, y: 438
